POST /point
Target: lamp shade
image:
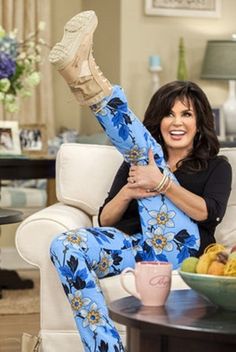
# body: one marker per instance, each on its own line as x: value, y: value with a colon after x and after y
x: 220, y: 60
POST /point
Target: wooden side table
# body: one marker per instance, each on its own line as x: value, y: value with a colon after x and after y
x: 23, y: 168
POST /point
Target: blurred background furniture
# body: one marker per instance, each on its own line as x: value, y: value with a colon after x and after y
x: 28, y: 168
x: 16, y: 175
x: 84, y: 174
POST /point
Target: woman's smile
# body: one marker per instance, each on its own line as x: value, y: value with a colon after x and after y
x: 179, y: 128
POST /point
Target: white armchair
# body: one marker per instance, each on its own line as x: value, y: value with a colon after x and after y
x: 84, y: 174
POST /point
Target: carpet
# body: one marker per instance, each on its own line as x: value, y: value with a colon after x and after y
x: 22, y: 301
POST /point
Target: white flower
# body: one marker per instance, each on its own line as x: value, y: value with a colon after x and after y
x: 135, y: 154
x: 4, y: 84
x: 76, y: 238
x: 104, y: 264
x: 93, y: 317
x: 9, y: 98
x: 163, y: 217
x: 33, y: 79
x: 160, y: 241
x: 77, y: 301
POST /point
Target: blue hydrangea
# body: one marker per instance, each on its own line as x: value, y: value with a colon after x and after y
x: 7, y: 66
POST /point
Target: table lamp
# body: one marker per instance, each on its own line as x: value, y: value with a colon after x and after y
x: 220, y: 63
x: 155, y: 67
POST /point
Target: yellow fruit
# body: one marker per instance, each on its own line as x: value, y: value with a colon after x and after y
x: 216, y: 268
x: 204, y: 262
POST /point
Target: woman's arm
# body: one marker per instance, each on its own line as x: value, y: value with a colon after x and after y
x: 149, y: 176
x: 191, y: 204
x: 210, y: 205
x: 113, y: 211
x: 116, y: 202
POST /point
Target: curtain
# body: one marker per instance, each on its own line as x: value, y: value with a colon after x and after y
x: 25, y: 15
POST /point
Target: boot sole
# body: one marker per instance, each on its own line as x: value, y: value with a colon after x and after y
x: 75, y: 31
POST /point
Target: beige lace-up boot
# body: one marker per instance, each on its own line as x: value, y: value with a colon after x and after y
x: 74, y: 60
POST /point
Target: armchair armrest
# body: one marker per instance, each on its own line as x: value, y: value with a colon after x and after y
x: 33, y: 239
x: 35, y: 233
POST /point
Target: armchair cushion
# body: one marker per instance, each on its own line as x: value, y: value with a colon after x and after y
x: 85, y: 187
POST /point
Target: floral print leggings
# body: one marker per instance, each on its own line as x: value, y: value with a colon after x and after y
x: 84, y: 255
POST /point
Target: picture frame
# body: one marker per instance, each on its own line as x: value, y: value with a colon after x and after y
x: 219, y: 122
x: 183, y: 8
x: 9, y: 138
x: 33, y: 139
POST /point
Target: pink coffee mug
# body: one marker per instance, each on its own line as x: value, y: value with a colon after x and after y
x: 152, y: 281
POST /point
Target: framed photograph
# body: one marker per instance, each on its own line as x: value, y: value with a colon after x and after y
x: 185, y: 8
x: 9, y: 138
x: 33, y: 139
x: 219, y: 122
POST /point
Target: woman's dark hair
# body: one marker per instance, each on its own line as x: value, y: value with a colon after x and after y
x: 206, y: 144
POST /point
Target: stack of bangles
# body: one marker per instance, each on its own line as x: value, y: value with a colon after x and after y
x: 164, y: 185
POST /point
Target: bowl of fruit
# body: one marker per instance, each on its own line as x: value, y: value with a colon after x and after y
x: 213, y: 275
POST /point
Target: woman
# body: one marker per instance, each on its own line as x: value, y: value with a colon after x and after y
x: 179, y: 117
x: 164, y: 203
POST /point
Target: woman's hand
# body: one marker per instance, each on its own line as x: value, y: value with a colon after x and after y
x: 132, y: 192
x: 145, y: 177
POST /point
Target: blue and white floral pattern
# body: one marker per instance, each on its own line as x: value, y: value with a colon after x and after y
x: 160, y: 241
x: 163, y: 217
x: 92, y: 317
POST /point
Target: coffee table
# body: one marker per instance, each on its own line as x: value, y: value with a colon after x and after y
x: 187, y: 322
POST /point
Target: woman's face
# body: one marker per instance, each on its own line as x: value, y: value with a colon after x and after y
x: 179, y: 128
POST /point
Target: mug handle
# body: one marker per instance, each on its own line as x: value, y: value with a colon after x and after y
x: 122, y: 280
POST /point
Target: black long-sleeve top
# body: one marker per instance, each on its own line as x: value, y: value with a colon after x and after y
x: 213, y: 184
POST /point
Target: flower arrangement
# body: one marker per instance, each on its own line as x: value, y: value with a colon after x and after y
x: 18, y: 66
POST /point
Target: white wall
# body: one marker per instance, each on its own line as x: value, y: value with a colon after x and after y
x: 106, y: 50
x: 144, y: 35
x: 67, y: 111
